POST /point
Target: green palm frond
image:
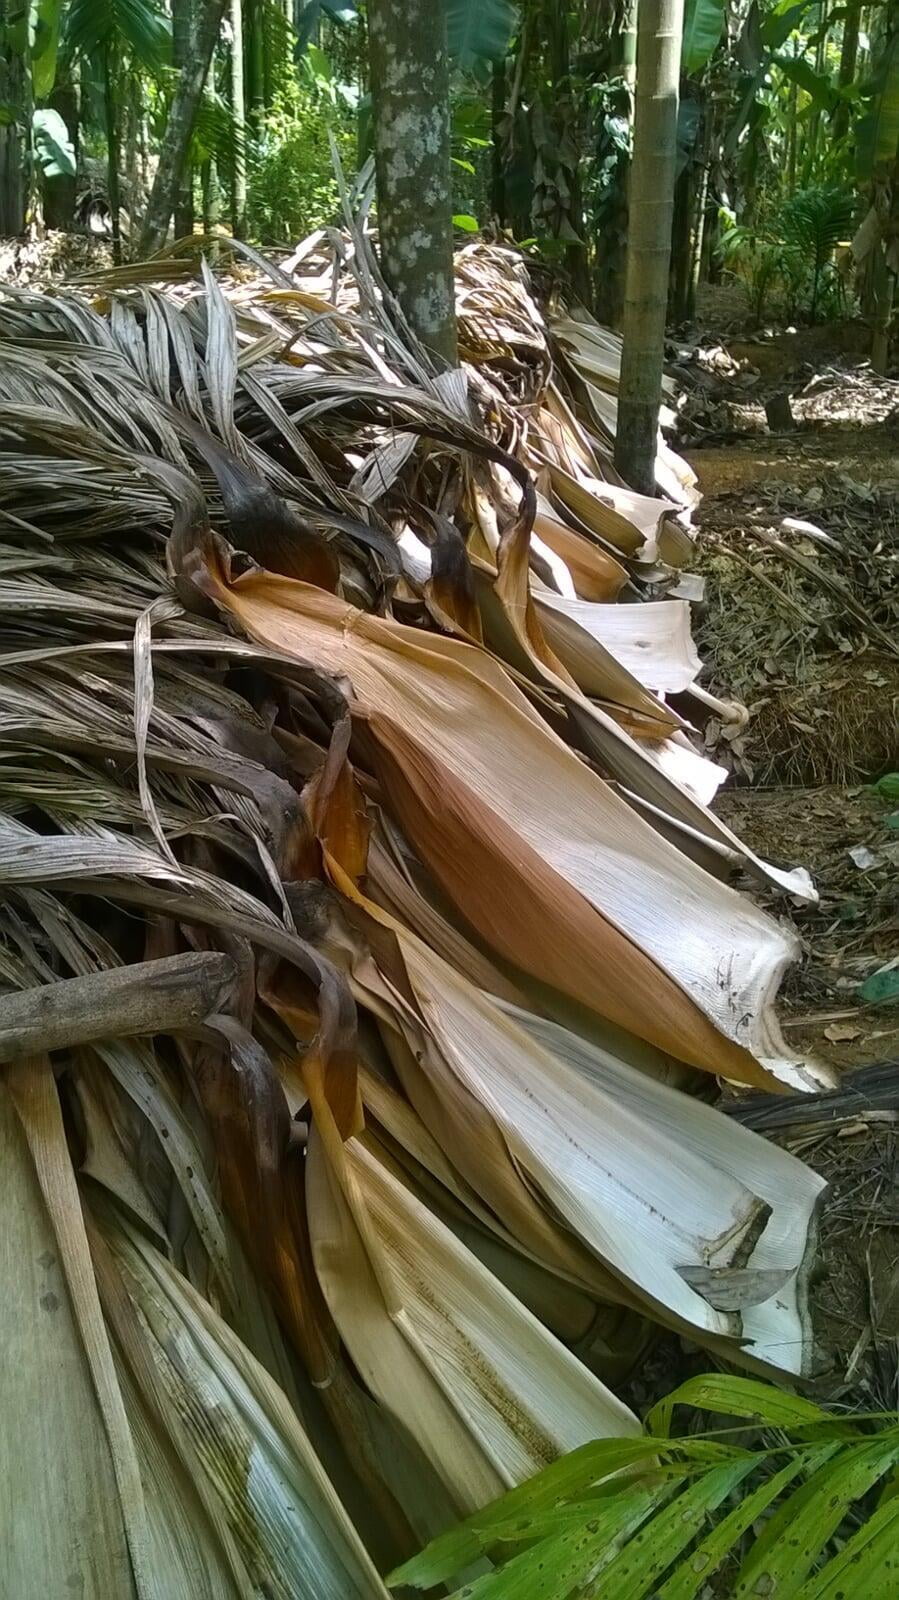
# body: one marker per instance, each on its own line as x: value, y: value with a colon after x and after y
x: 216, y: 134
x: 138, y: 25
x: 661, y: 1516
x: 813, y: 221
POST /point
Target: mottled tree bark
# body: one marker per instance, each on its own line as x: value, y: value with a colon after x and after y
x: 179, y: 127
x: 660, y: 25
x: 411, y: 117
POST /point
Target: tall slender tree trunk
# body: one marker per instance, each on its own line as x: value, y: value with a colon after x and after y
x: 498, y: 92
x: 182, y: 46
x: 209, y: 188
x: 792, y: 136
x: 143, y: 135
x: 518, y: 143
x: 411, y: 119
x: 813, y: 137
x: 136, y: 154
x: 660, y: 26
x: 883, y: 299
x: 13, y: 146
x: 363, y: 119
x: 111, y: 121
x: 681, y: 228
x: 610, y: 248
x: 627, y: 48
x: 179, y: 127
x: 848, y: 60
x: 239, y: 114
x: 697, y: 238
x: 254, y: 56
x: 563, y: 116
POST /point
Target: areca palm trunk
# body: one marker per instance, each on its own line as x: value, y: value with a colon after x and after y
x: 110, y: 117
x: 610, y: 245
x: 411, y: 124
x: 239, y: 115
x: 178, y: 130
x: 848, y: 62
x: 660, y: 25
x: 12, y: 141
x: 182, y: 40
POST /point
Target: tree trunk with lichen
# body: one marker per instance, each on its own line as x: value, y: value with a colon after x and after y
x: 411, y: 124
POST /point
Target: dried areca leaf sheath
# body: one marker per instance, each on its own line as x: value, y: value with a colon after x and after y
x: 594, y: 574
x: 665, y: 776
x: 635, y: 1170
x: 62, y: 1518
x: 605, y: 1336
x: 541, y: 857
x: 776, y: 1328
x: 265, y: 1517
x: 651, y: 641
x: 225, y: 1294
x: 487, y: 1392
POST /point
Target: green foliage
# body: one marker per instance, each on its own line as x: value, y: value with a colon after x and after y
x: 479, y: 30
x: 216, y: 136
x: 882, y: 988
x: 814, y: 221
x: 52, y: 144
x: 887, y: 786
x: 788, y: 256
x: 878, y: 130
x: 45, y: 46
x: 138, y: 26
x: 818, y: 88
x: 662, y: 1515
x: 703, y: 26
x: 782, y: 20
x: 292, y: 186
x: 763, y: 263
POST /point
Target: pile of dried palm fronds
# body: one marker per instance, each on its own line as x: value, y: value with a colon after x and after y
x: 364, y: 932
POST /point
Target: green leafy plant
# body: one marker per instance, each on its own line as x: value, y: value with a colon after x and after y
x: 292, y: 185
x: 789, y: 254
x: 703, y: 27
x: 812, y: 223
x: 94, y: 27
x: 52, y: 144
x: 795, y: 1503
x: 760, y: 261
x: 477, y: 30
